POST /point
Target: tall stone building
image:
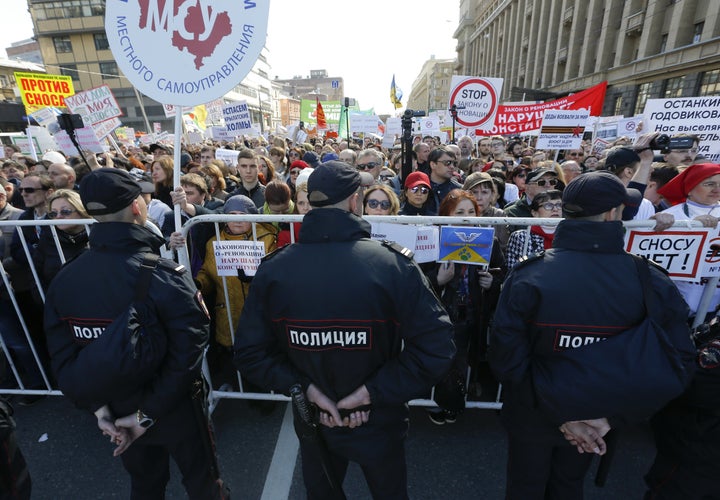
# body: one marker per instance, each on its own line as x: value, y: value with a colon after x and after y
x: 643, y: 48
x: 431, y: 89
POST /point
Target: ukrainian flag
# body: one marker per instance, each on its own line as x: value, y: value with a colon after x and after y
x: 395, y: 94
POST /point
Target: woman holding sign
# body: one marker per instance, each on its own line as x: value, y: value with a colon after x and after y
x: 210, y: 283
x: 695, y: 195
x: 469, y: 294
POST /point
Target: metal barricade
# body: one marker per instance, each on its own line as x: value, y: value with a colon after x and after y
x: 217, y: 220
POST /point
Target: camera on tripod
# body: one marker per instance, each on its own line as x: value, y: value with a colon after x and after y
x: 70, y: 122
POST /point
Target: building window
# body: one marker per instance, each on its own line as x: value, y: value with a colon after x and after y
x: 62, y: 44
x: 109, y: 69
x: 642, y: 97
x: 663, y: 43
x: 710, y: 83
x: 68, y: 9
x: 697, y: 32
x: 101, y: 41
x: 3, y: 81
x: 618, y: 105
x: 70, y: 70
x: 674, y: 87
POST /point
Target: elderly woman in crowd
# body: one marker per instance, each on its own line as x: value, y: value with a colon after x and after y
x: 521, y: 243
x: 695, y: 195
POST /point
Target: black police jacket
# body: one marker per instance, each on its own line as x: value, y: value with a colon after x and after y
x: 92, y: 290
x: 584, y: 289
x: 335, y: 309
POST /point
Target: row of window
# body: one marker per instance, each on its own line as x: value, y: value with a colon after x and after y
x: 709, y: 84
x: 107, y: 69
x: 67, y: 9
x: 63, y: 45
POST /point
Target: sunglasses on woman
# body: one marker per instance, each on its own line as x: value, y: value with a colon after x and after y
x: 65, y: 212
x: 420, y: 189
x: 543, y: 182
x: 384, y: 205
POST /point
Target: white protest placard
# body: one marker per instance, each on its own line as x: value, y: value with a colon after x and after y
x: 218, y: 133
x: 46, y: 116
x: 229, y: 156
x: 476, y: 100
x: 183, y: 53
x: 237, y: 118
x: 393, y: 126
x: 402, y: 234
x: 94, y: 105
x: 429, y: 124
x: 690, y: 115
x: 86, y: 138
x: 562, y: 129
x: 233, y: 255
x: 367, y: 124
x: 630, y: 127
x: 194, y: 137
x: 680, y: 252
x: 427, y: 246
x: 606, y: 127
x: 105, y: 128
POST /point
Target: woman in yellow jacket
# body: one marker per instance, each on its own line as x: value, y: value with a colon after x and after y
x: 220, y: 355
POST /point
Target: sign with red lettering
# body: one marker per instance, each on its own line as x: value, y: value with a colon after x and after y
x: 476, y: 100
x: 94, y: 105
x: 38, y: 90
x: 681, y: 253
x: 523, y: 118
x: 186, y: 52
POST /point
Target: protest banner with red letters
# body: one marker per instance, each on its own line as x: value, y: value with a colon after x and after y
x: 519, y: 119
x: 38, y: 90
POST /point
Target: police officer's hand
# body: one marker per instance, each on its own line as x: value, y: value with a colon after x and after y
x: 106, y: 424
x: 587, y: 435
x: 329, y: 414
x: 360, y: 397
x: 133, y: 430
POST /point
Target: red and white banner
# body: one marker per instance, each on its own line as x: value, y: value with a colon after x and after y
x: 519, y: 119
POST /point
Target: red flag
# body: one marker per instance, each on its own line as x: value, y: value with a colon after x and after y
x: 518, y: 118
x: 320, y: 116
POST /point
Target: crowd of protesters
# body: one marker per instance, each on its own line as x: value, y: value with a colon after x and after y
x: 484, y: 177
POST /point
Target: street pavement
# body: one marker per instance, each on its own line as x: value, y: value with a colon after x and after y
x: 464, y: 460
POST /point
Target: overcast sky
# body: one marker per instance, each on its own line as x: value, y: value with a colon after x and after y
x: 362, y: 42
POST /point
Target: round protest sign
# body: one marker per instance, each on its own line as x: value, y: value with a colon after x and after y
x: 186, y: 52
x: 476, y: 100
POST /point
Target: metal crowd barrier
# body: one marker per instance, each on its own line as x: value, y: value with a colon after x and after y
x: 217, y: 220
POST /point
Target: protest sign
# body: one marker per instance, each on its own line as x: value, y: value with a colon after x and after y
x: 690, y: 115
x: 681, y: 253
x: 237, y: 118
x: 562, y: 129
x: 427, y: 245
x: 38, y: 90
x: 233, y: 255
x: 229, y: 156
x: 94, y: 105
x: 476, y: 100
x: 466, y: 244
x: 86, y: 139
x: 402, y: 234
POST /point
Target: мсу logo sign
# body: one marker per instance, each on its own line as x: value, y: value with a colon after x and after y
x: 186, y: 52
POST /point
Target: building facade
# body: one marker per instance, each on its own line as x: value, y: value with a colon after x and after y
x: 431, y: 89
x: 319, y: 84
x: 544, y: 48
x: 72, y: 40
x: 25, y: 50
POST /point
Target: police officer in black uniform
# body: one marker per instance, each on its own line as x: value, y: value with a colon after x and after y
x: 585, y: 288
x: 156, y: 419
x: 356, y: 325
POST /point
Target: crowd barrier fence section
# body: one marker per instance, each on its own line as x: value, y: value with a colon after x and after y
x: 13, y: 307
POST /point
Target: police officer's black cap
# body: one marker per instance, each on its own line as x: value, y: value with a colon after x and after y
x: 594, y: 193
x: 334, y: 181
x: 108, y: 190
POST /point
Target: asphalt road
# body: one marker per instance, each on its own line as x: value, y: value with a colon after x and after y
x: 464, y: 460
